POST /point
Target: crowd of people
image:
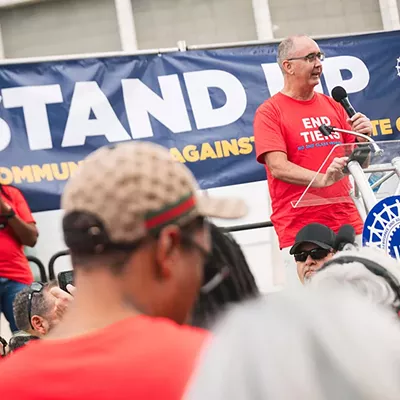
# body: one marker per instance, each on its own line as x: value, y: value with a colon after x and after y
x: 164, y: 304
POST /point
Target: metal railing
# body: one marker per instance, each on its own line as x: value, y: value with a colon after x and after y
x: 247, y: 227
x: 53, y: 260
x: 42, y: 269
x: 234, y: 228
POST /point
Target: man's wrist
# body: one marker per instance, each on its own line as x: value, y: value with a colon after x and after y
x: 8, y: 213
x: 319, y: 181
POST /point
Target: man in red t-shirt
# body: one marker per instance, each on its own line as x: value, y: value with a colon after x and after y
x: 135, y: 226
x: 17, y: 229
x: 290, y: 145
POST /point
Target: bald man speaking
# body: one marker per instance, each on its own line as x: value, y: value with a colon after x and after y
x: 284, y: 137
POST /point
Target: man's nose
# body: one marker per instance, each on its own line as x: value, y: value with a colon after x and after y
x: 310, y: 261
x: 318, y: 63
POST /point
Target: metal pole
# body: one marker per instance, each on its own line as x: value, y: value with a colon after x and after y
x: 358, y: 201
x: 396, y: 165
x: 126, y: 25
x: 363, y: 186
x: 262, y: 19
x: 2, y: 55
x: 376, y: 168
x: 382, y: 180
x: 389, y: 15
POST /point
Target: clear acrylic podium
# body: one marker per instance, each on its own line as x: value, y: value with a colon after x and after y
x: 365, y: 159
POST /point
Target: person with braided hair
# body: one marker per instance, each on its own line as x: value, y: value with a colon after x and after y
x: 227, y: 276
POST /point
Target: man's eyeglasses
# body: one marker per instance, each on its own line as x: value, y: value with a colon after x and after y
x: 310, y: 57
x: 315, y: 254
x: 36, y: 287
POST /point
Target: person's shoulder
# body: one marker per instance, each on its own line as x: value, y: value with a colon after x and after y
x: 270, y: 106
x: 326, y: 99
x: 271, y: 102
x: 11, y: 190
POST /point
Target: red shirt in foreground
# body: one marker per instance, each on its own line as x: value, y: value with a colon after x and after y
x: 13, y: 262
x: 138, y: 358
x: 291, y: 126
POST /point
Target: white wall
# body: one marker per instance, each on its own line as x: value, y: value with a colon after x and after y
x: 59, y: 27
x: 161, y: 23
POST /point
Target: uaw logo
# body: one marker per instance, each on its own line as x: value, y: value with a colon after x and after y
x: 382, y: 226
x: 398, y: 67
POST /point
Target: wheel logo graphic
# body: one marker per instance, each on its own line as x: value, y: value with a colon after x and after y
x: 398, y: 67
x: 382, y: 226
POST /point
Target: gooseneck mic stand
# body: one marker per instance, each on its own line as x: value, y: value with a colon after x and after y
x: 363, y: 194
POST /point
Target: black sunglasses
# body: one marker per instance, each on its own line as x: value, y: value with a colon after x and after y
x: 315, y: 254
x: 218, y: 274
x: 310, y: 57
x: 36, y: 287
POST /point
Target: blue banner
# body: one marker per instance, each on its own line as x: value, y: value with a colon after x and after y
x: 198, y: 104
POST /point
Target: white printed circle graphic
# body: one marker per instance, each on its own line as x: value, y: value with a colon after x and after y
x: 382, y: 226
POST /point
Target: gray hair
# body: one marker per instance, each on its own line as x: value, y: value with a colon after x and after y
x: 286, y: 48
x: 358, y: 277
x: 40, y: 306
x: 307, y: 344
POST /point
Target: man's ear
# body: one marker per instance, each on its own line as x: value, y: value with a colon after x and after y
x: 288, y: 67
x: 167, y: 250
x: 38, y: 324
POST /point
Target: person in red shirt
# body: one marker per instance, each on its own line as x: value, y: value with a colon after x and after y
x: 17, y: 229
x: 292, y: 149
x: 135, y: 226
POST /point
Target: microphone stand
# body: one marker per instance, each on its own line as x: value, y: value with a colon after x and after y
x: 327, y: 130
x: 377, y: 150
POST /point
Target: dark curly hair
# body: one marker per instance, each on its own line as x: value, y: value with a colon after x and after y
x: 238, y: 284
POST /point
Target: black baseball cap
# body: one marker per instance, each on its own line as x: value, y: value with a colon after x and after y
x: 318, y: 234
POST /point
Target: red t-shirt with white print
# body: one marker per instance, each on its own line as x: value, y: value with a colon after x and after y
x: 13, y: 262
x: 291, y: 126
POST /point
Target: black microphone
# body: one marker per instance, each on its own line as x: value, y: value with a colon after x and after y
x: 325, y: 129
x: 346, y: 235
x: 339, y: 94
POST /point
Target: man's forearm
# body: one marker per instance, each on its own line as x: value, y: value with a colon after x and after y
x: 296, y: 175
x: 26, y: 233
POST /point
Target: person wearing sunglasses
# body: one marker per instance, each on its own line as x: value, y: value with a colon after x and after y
x: 313, y: 247
x: 292, y: 149
x: 136, y: 227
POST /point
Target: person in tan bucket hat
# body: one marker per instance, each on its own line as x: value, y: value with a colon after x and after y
x: 135, y: 224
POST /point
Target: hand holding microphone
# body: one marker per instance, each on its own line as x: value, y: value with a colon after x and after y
x: 358, y: 121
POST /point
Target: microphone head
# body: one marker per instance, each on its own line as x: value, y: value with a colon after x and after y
x: 346, y: 235
x: 339, y: 93
x: 325, y: 130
